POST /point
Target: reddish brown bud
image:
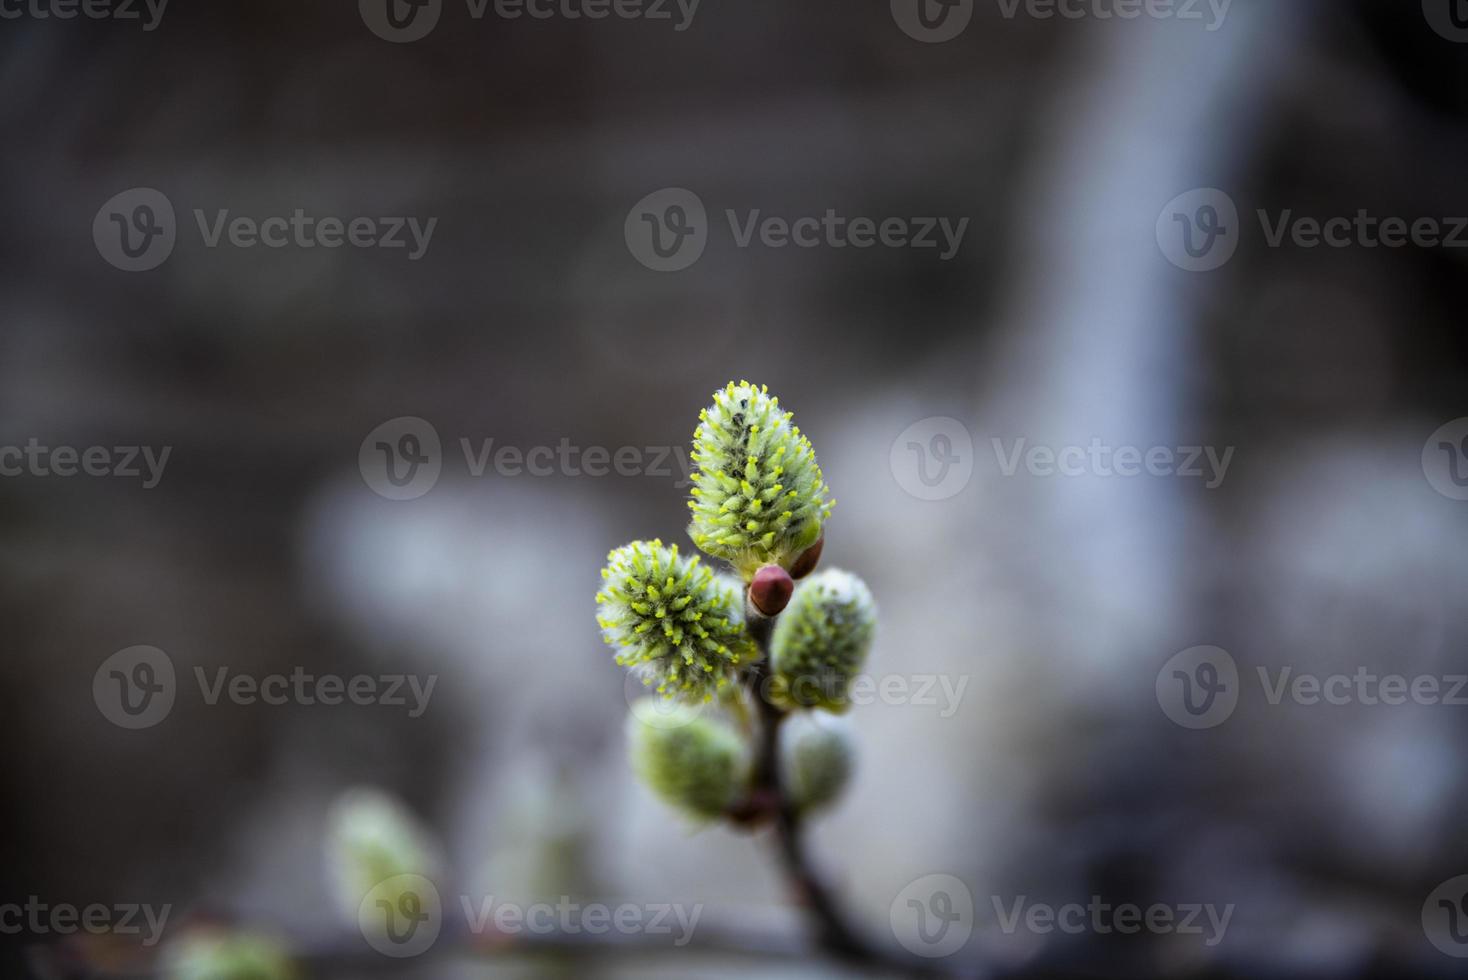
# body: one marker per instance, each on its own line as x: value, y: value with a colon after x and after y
x: 770, y: 590
x: 755, y: 809
x: 809, y: 558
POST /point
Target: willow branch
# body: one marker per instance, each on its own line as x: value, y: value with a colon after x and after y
x: 832, y: 929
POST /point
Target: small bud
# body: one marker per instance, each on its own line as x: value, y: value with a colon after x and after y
x: 759, y: 496
x: 214, y: 953
x: 770, y: 590
x: 374, y: 839
x: 699, y: 766
x: 808, y: 560
x: 821, y: 642
x: 817, y: 757
x: 678, y: 624
x: 755, y: 809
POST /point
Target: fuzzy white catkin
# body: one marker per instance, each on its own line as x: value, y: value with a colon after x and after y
x: 221, y: 954
x: 692, y: 761
x: 817, y: 758
x: 373, y: 839
x: 821, y: 641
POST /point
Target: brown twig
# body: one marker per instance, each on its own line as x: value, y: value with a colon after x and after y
x: 832, y: 931
x: 768, y: 798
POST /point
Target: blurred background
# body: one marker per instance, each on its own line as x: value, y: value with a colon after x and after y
x: 1070, y: 312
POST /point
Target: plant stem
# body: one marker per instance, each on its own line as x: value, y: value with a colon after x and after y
x: 833, y: 931
x: 831, y: 928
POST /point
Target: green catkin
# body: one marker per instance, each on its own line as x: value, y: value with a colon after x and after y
x: 817, y: 759
x: 220, y: 954
x: 694, y: 763
x: 373, y: 838
x: 758, y: 499
x: 759, y: 496
x: 673, y: 620
x: 821, y: 641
